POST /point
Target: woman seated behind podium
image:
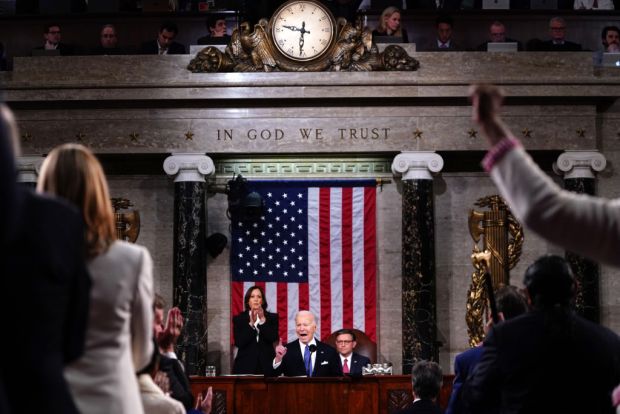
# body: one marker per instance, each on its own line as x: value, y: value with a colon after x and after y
x: 389, y: 25
x: 255, y: 330
x: 120, y: 320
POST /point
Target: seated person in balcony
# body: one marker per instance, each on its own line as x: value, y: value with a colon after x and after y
x: 497, y: 34
x: 218, y: 35
x: 351, y: 363
x: 610, y: 38
x: 389, y: 24
x: 164, y: 44
x: 52, y: 36
x: 593, y: 5
x: 443, y: 42
x: 306, y: 355
x: 558, y: 42
x: 108, y: 42
x: 426, y: 381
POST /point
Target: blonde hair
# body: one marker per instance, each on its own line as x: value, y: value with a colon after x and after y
x: 387, y: 13
x: 8, y: 119
x: 72, y: 172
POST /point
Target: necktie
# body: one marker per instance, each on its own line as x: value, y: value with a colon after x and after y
x: 345, y: 367
x: 308, y: 361
x: 444, y: 46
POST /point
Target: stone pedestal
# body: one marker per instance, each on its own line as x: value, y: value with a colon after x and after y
x: 418, y: 256
x: 190, y: 261
x: 578, y: 168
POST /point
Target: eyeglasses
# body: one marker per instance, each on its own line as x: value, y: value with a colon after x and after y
x: 54, y: 32
x: 108, y: 35
x: 343, y: 342
x: 557, y: 29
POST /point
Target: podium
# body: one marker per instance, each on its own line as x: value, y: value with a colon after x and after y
x: 301, y: 395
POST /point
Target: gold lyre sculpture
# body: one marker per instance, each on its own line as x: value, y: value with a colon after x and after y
x: 502, y: 240
x: 128, y: 222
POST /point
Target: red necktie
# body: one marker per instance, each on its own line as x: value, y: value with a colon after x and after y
x: 345, y: 367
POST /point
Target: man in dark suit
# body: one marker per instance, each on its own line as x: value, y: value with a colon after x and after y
x: 443, y: 42
x: 497, y: 34
x: 510, y: 304
x: 426, y: 379
x: 45, y: 289
x: 306, y: 355
x: 351, y: 363
x: 548, y: 360
x: 52, y: 35
x: 164, y: 44
x: 558, y: 42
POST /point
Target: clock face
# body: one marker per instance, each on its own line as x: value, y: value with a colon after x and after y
x: 302, y: 30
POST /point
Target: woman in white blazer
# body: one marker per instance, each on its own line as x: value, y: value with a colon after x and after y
x: 120, y: 322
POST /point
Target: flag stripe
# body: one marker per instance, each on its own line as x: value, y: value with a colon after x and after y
x: 325, y: 260
x: 359, y: 300
x: 370, y: 262
x: 314, y: 256
x: 282, y: 310
x: 335, y: 263
x: 347, y: 257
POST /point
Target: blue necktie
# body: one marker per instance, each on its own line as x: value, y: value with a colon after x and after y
x: 308, y: 361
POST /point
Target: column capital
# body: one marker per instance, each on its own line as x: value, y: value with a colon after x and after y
x: 417, y: 165
x: 189, y: 166
x: 28, y: 168
x: 579, y: 164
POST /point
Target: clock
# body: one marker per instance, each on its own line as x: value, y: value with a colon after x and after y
x: 303, y: 30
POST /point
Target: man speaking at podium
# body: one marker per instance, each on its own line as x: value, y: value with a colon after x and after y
x: 306, y: 356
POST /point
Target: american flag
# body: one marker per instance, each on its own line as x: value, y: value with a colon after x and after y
x: 314, y: 248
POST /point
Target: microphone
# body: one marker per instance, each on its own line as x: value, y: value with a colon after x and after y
x: 312, y: 348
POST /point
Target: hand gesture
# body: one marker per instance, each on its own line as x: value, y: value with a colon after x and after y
x: 167, y: 338
x: 253, y: 317
x: 486, y: 101
x: 280, y: 351
x: 162, y: 381
x: 260, y: 314
x: 205, y: 403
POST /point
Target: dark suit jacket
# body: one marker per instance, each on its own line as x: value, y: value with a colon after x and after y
x: 356, y: 364
x: 421, y: 407
x: 254, y: 357
x: 548, y: 46
x: 180, y: 389
x: 464, y: 364
x: 325, y: 365
x: 151, y: 48
x: 432, y: 47
x: 45, y: 295
x: 63, y: 48
x: 543, y: 363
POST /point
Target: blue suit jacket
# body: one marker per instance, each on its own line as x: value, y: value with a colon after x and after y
x: 326, y: 363
x: 464, y: 364
x: 356, y: 364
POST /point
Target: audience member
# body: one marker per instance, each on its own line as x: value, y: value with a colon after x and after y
x: 497, y: 34
x: 610, y: 38
x: 306, y: 355
x: 535, y: 199
x: 593, y: 5
x: 389, y: 25
x: 426, y: 379
x: 510, y: 303
x: 166, y: 334
x: 52, y: 36
x: 164, y: 44
x: 550, y: 359
x: 218, y: 35
x: 443, y: 42
x: 558, y: 42
x: 45, y: 289
x: 118, y: 338
x: 255, y: 331
x: 108, y: 42
x: 351, y: 363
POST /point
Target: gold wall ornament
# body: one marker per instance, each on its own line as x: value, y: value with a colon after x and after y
x: 127, y: 223
x: 526, y: 132
x: 302, y: 36
x: 581, y: 133
x: 472, y: 133
x: 502, y: 240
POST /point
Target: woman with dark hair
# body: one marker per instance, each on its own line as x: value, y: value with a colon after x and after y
x: 255, y: 330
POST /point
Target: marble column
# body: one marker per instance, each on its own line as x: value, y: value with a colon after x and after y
x: 28, y: 168
x: 578, y: 169
x: 419, y: 321
x: 190, y: 260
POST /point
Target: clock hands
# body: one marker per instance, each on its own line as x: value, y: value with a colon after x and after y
x: 302, y: 31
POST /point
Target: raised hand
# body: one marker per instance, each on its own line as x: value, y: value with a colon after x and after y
x: 205, y: 403
x: 486, y: 101
x: 162, y: 381
x: 280, y: 351
x: 260, y: 314
x: 167, y: 338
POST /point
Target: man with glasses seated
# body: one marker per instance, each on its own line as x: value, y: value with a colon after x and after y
x: 52, y: 36
x: 351, y: 363
x: 558, y: 42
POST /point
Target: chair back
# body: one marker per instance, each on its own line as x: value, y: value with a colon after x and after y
x: 365, y: 346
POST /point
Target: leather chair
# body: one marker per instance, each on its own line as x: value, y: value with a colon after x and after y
x: 364, y: 346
